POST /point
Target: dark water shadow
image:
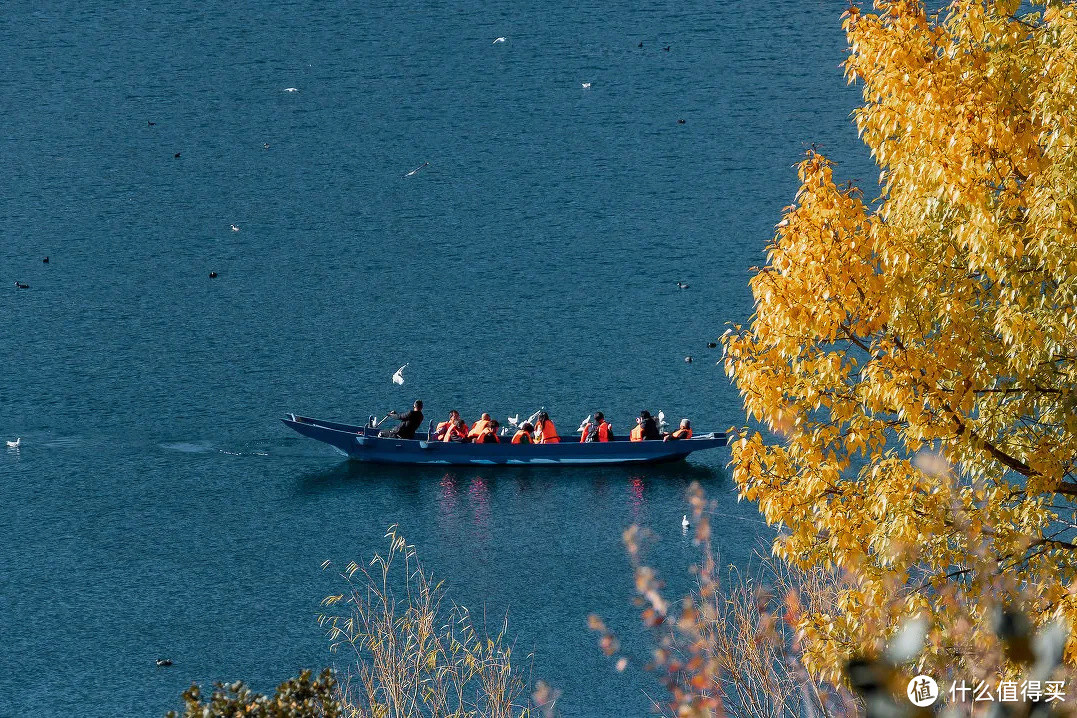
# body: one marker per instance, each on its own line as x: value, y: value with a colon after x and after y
x: 349, y: 475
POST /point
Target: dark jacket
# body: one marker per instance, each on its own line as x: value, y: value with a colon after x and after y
x: 409, y: 423
x: 650, y: 430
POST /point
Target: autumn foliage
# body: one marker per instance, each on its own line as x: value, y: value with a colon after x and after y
x: 915, y: 355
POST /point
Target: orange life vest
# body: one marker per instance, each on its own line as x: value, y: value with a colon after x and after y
x: 521, y: 437
x: 487, y: 436
x: 636, y: 433
x: 549, y: 433
x: 478, y: 427
x: 600, y: 432
x: 682, y: 434
x: 441, y: 428
x: 454, y: 432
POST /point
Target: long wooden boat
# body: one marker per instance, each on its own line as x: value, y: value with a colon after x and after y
x: 364, y: 444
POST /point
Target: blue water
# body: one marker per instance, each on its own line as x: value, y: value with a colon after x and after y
x: 156, y: 507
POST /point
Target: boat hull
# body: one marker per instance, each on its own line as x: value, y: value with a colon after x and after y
x: 363, y: 444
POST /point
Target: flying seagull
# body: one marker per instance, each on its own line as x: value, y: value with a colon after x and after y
x: 497, y: 40
x: 398, y: 377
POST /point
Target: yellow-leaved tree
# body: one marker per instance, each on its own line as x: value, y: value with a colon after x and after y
x: 916, y: 356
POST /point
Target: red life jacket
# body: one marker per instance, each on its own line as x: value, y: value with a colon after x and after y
x: 478, y: 427
x: 681, y: 434
x: 454, y: 432
x: 487, y: 436
x: 600, y: 432
x: 604, y: 431
x: 521, y: 437
x: 549, y: 433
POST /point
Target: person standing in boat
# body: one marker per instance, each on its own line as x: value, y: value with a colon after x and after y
x: 685, y: 432
x: 523, y: 435
x: 443, y: 427
x: 545, y: 431
x: 646, y: 428
x: 410, y: 421
x: 598, y: 430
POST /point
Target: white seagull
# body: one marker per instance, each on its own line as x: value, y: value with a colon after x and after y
x: 398, y: 377
x: 662, y: 420
x: 684, y: 522
x: 514, y: 420
x: 291, y: 89
x: 14, y: 444
x: 584, y: 424
x: 424, y: 164
x: 234, y: 228
x: 497, y: 40
x: 586, y: 85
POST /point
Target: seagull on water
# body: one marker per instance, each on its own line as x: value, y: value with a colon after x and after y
x: 398, y: 377
x: 684, y: 522
x: 14, y: 444
x: 291, y: 89
x: 586, y: 85
x: 497, y: 40
x: 234, y: 228
x: 682, y: 285
x: 163, y: 662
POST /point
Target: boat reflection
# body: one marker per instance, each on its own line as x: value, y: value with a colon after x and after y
x: 477, y: 497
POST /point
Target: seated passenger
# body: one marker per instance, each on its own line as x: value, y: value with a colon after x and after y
x: 545, y: 431
x: 488, y: 435
x: 646, y: 428
x: 478, y: 426
x: 598, y: 430
x: 685, y: 432
x: 456, y: 432
x: 523, y: 435
x: 439, y: 431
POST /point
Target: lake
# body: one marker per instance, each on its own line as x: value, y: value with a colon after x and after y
x: 156, y: 507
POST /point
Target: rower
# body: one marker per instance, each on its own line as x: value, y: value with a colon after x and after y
x: 439, y: 431
x: 598, y: 430
x: 685, y: 432
x: 457, y: 431
x: 478, y: 426
x: 523, y: 434
x: 646, y: 429
x: 409, y: 422
x: 489, y: 433
x: 545, y: 431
